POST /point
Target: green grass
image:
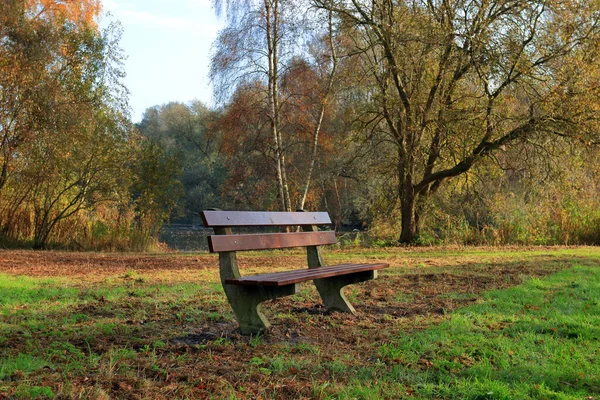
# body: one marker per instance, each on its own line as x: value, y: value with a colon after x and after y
x: 538, y: 337
x: 25, y: 290
x: 538, y: 340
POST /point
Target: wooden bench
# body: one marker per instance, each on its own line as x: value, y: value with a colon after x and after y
x: 245, y: 294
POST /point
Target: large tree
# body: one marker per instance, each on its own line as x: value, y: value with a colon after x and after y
x: 64, y: 129
x: 38, y: 53
x: 455, y: 81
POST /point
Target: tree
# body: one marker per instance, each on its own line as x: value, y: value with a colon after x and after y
x: 79, y: 150
x: 189, y: 134
x: 76, y: 171
x: 255, y: 46
x: 36, y: 48
x: 324, y: 87
x: 267, y: 46
x: 454, y: 82
x: 63, y: 115
x: 247, y: 151
x: 156, y: 188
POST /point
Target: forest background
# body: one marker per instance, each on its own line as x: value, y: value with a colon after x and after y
x: 421, y: 122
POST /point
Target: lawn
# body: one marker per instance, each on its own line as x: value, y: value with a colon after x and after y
x: 464, y: 323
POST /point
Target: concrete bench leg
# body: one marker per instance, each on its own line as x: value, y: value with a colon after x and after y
x: 331, y: 289
x: 246, y: 304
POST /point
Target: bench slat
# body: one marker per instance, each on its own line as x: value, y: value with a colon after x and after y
x: 263, y: 218
x: 297, y: 276
x: 260, y: 241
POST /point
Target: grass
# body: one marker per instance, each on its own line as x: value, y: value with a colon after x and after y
x: 441, y: 323
x: 538, y: 340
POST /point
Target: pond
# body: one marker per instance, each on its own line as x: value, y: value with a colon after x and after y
x: 185, y: 237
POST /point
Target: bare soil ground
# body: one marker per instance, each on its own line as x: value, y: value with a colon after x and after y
x: 95, y: 265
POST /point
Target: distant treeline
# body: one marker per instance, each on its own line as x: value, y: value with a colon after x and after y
x: 421, y: 122
x: 525, y: 197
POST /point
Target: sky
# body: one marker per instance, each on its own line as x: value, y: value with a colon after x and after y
x: 167, y: 44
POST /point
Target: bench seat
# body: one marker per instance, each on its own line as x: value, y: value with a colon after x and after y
x: 302, y: 275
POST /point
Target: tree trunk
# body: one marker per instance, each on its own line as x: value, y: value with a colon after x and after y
x: 408, y: 195
x: 271, y: 46
x: 408, y: 209
x: 272, y: 30
x: 319, y: 122
x: 313, y: 159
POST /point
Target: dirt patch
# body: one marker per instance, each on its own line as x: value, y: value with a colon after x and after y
x: 54, y: 263
x: 95, y: 266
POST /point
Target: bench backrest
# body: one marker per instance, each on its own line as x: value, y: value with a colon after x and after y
x: 226, y: 241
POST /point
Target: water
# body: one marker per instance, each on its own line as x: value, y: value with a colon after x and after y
x: 185, y: 237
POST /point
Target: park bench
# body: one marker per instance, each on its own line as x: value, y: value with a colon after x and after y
x: 246, y: 293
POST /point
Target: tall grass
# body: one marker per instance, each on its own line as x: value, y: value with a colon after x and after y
x: 105, y: 228
x: 504, y: 220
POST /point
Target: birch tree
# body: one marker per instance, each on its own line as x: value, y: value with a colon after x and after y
x: 253, y: 46
x: 323, y: 101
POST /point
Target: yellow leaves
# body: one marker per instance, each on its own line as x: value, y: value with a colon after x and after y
x: 80, y: 12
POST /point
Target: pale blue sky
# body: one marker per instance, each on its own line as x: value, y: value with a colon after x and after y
x: 167, y: 43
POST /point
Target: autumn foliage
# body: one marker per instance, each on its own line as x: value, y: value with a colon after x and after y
x: 68, y: 151
x: 80, y: 12
x: 420, y: 100
x: 417, y: 121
